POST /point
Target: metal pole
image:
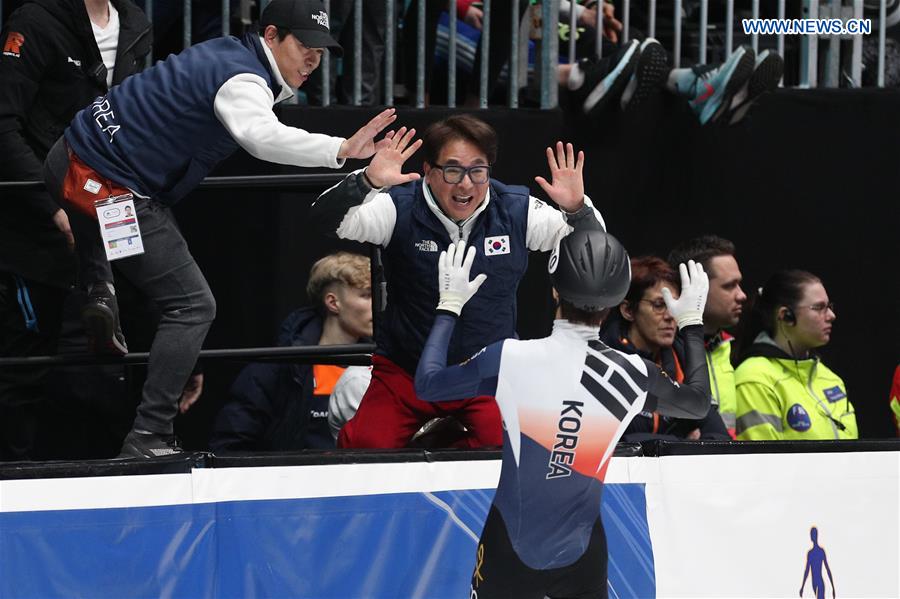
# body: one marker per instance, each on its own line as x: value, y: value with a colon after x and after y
x: 186, y: 20
x: 516, y: 24
x: 485, y: 55
x: 451, y: 56
x: 754, y: 40
x: 148, y: 62
x: 549, y: 48
x: 626, y: 20
x: 651, y: 15
x: 573, y: 28
x: 704, y: 25
x: 599, y: 31
x: 420, y: 55
x: 882, y: 28
x: 676, y: 41
x: 389, y: 53
x: 833, y: 56
x: 781, y: 35
x: 226, y: 18
x: 326, y: 66
x: 306, y: 182
x: 856, y: 57
x: 357, y: 52
x: 809, y: 49
x: 356, y: 353
x: 729, y: 28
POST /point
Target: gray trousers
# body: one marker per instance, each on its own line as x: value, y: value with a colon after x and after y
x: 167, y: 274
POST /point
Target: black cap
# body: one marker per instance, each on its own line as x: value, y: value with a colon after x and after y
x: 306, y: 19
x: 590, y: 269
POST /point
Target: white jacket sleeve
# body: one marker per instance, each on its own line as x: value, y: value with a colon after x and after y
x: 546, y: 225
x: 353, y: 210
x: 372, y: 221
x: 346, y: 396
x: 244, y: 106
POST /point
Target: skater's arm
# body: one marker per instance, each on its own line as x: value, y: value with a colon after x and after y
x: 476, y: 376
x: 690, y: 400
x: 435, y: 381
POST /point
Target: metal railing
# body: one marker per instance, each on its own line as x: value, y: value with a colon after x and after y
x: 304, y: 182
x: 838, y: 57
x: 349, y: 354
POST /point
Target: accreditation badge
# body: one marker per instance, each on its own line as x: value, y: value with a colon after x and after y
x: 119, y: 227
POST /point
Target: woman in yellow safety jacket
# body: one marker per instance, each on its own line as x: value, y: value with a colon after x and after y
x: 784, y: 391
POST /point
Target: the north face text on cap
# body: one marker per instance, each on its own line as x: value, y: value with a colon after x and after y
x: 321, y: 19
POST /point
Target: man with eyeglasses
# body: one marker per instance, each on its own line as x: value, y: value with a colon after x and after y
x: 413, y: 219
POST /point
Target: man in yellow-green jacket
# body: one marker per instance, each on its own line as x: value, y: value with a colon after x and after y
x: 724, y: 306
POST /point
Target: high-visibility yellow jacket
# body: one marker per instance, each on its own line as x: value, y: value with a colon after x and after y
x: 721, y: 377
x: 779, y: 397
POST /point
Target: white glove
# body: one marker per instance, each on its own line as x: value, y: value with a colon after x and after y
x: 688, y: 308
x: 453, y: 277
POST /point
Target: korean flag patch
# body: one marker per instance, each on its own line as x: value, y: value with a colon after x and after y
x: 494, y: 246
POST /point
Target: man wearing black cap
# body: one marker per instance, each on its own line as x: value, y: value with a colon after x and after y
x: 157, y: 135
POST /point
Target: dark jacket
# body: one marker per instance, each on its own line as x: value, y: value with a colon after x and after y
x: 46, y: 69
x: 269, y: 405
x: 648, y: 425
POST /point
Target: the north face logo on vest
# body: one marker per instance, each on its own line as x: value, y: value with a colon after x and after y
x: 427, y: 245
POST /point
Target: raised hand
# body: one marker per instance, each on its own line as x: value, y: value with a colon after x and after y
x: 567, y: 187
x: 611, y: 25
x: 362, y: 143
x: 688, y: 308
x: 454, y: 285
x: 386, y: 168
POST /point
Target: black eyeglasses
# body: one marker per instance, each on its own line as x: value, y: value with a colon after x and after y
x: 453, y: 174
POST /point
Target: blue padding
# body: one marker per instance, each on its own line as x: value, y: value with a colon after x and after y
x: 132, y: 552
x: 630, y: 572
x: 376, y: 546
x: 402, y: 546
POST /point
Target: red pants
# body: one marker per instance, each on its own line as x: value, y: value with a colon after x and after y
x: 390, y: 413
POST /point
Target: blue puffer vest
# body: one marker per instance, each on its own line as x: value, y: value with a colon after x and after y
x: 410, y: 262
x: 157, y: 132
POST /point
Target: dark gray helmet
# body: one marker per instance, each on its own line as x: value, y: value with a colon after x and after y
x: 590, y: 270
